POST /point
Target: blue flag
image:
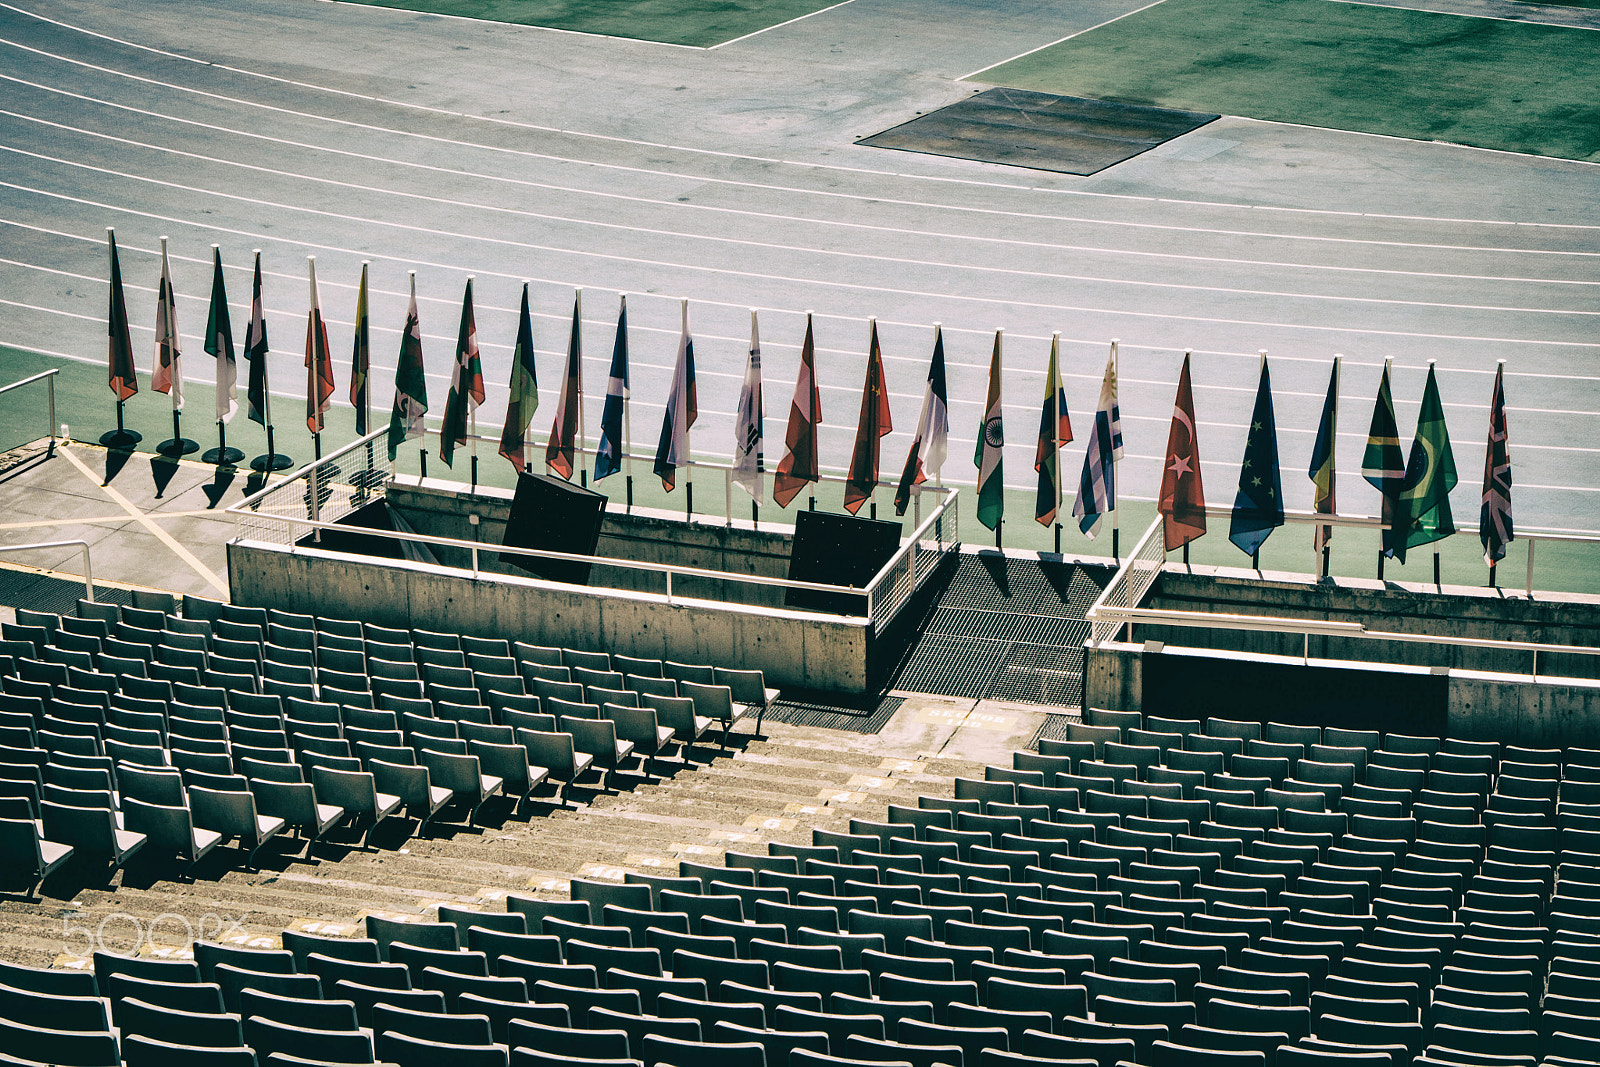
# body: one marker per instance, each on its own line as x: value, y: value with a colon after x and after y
x: 608, y: 458
x: 1258, y: 506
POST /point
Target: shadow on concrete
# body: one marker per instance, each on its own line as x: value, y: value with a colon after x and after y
x: 219, y: 484
x: 162, y: 471
x: 116, y: 459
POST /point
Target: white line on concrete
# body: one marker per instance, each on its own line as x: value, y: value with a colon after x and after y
x: 510, y: 25
x: 717, y: 209
x: 699, y: 268
x: 869, y: 171
x: 1059, y: 40
x: 922, y: 262
x: 780, y: 25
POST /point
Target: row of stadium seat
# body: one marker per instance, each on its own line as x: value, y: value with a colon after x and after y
x: 122, y: 727
x: 948, y: 934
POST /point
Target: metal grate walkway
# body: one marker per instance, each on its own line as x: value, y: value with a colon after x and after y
x: 1006, y: 629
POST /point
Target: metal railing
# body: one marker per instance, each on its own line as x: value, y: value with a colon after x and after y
x: 322, y: 493
x: 49, y: 377
x: 1118, y: 607
x: 1129, y: 585
x: 81, y: 546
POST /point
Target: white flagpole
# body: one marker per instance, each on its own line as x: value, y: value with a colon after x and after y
x: 1116, y: 516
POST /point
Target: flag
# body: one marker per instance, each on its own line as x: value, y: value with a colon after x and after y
x: 1424, y: 505
x: 1494, y: 521
x: 1183, y: 496
x: 122, y: 375
x: 466, y: 383
x: 1321, y: 470
x: 1382, y: 465
x: 1097, y: 485
x: 319, y: 360
x: 749, y: 432
x: 683, y: 407
x: 1055, y: 430
x: 933, y: 429
x: 524, y: 390
x: 988, y: 456
x: 410, y: 384
x: 255, y: 353
x: 874, y: 423
x: 799, y: 465
x: 608, y: 457
x: 1258, y: 504
x: 167, y: 374
x: 219, y: 342
x: 361, y: 359
x: 560, y: 450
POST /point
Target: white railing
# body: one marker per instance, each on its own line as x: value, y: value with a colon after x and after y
x: 332, y: 488
x: 1118, y: 607
x: 49, y: 377
x: 81, y: 546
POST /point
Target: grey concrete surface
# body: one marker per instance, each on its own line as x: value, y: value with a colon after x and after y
x: 728, y: 176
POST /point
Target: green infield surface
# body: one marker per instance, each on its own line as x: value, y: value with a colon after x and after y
x: 1481, y: 82
x: 697, y: 23
x: 85, y: 403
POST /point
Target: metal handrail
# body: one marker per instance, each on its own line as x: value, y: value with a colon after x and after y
x: 50, y: 412
x: 83, y: 546
x: 248, y: 507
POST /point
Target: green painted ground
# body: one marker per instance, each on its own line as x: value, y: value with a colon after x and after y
x: 1491, y: 84
x: 699, y: 23
x: 84, y: 402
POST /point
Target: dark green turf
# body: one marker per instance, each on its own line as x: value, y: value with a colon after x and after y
x: 84, y: 402
x: 700, y: 23
x: 1480, y: 82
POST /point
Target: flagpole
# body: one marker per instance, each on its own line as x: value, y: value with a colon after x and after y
x: 1384, y: 506
x: 178, y: 445
x: 524, y: 449
x: 1255, y: 557
x: 1323, y: 551
x: 222, y: 454
x: 311, y: 267
x: 688, y: 451
x: 627, y: 418
x: 121, y: 437
x: 1000, y: 523
x: 1436, y: 570
x: 755, y: 501
x: 1055, y: 431
x: 1116, y: 516
x: 273, y: 460
x: 577, y: 325
x: 366, y: 390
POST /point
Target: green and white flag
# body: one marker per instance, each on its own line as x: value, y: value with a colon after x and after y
x: 991, y: 441
x: 1423, y: 512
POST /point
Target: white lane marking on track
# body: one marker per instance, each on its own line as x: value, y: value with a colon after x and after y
x: 825, y: 283
x: 903, y: 261
x: 743, y: 212
x: 873, y: 172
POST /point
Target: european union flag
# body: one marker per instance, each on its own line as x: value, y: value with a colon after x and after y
x: 1258, y: 506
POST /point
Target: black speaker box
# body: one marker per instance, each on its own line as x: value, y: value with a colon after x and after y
x: 837, y: 549
x: 553, y: 515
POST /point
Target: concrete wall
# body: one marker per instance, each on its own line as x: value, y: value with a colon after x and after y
x: 441, y: 509
x: 1538, y: 712
x: 792, y: 648
x: 1451, y: 613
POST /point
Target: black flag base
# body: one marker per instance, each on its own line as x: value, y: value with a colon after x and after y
x: 121, y: 438
x: 222, y: 455
x: 177, y: 445
x: 273, y: 460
